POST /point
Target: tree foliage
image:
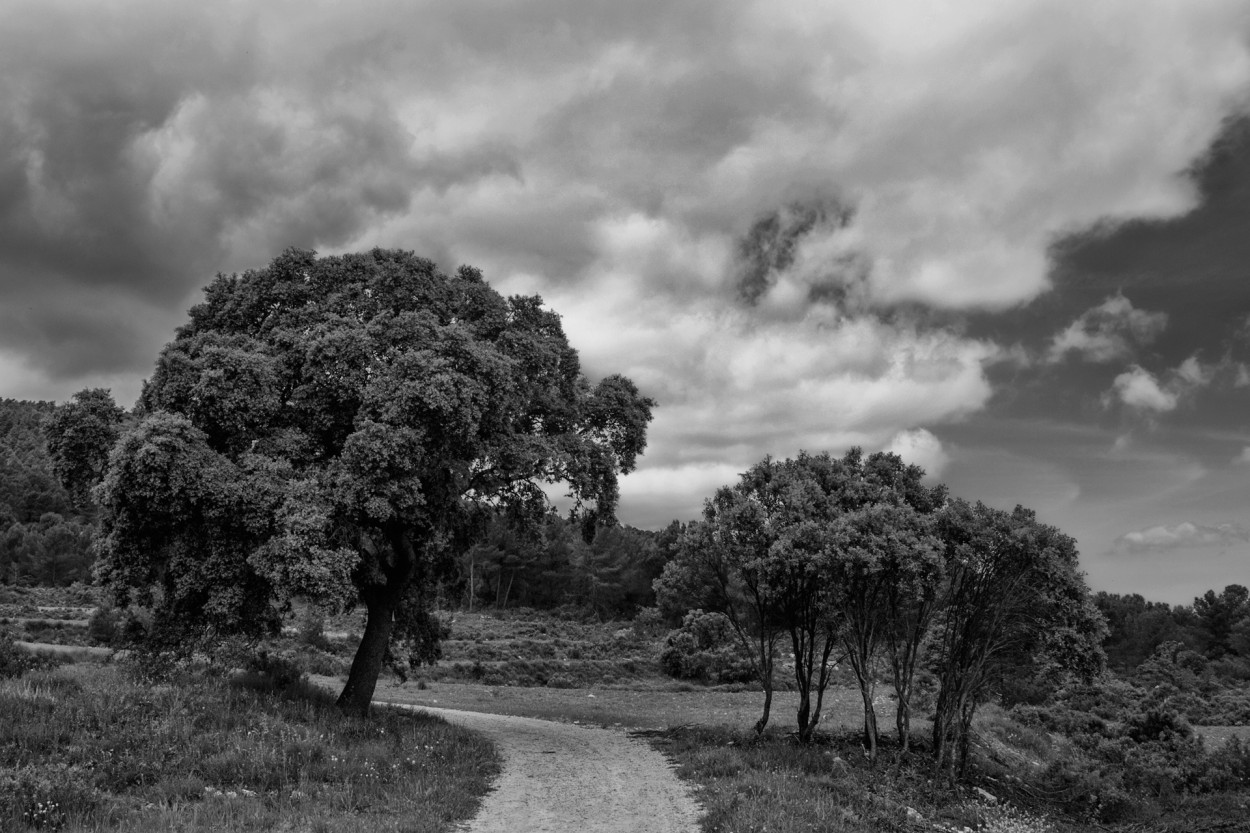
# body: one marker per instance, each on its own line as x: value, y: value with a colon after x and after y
x: 44, y: 539
x: 1015, y: 602
x: 28, y: 486
x: 817, y: 549
x: 80, y: 435
x: 858, y: 555
x: 340, y: 428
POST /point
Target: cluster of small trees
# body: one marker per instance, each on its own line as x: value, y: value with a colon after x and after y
x: 855, y: 559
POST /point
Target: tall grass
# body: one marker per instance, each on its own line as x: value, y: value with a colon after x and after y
x: 92, y: 748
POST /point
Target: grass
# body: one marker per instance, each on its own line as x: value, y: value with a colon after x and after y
x: 93, y: 748
x: 652, y: 704
x: 537, y: 665
x: 774, y: 784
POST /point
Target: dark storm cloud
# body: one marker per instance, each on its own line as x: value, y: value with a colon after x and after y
x: 771, y: 245
x: 1155, y: 309
x: 144, y: 147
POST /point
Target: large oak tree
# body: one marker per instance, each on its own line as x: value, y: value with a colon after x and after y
x: 337, y: 428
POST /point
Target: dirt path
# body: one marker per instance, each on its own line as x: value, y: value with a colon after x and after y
x: 567, y: 778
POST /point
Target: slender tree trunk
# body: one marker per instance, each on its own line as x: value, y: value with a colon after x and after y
x: 472, y: 592
x: 859, y: 652
x: 762, y: 723
x: 803, y: 677
x: 904, y: 683
x: 805, y: 711
x: 367, y: 664
x: 902, y: 721
x: 870, y: 723
x: 508, y: 591
x: 823, y: 680
x: 766, y: 680
x: 967, y: 709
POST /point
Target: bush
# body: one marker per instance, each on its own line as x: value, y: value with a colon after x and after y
x: 1157, y: 725
x: 648, y: 623
x: 14, y: 661
x: 706, y: 648
x: 312, y: 629
x: 282, y: 672
x: 104, y: 627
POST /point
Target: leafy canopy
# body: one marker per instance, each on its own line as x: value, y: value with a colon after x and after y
x: 338, y: 427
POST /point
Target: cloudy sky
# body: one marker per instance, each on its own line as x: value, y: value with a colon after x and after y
x: 1010, y: 241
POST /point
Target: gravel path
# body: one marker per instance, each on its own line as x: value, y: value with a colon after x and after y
x: 567, y: 778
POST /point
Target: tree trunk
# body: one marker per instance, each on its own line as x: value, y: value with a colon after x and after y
x: 870, y: 723
x: 805, y: 712
x: 367, y: 664
x: 822, y: 680
x: 508, y: 592
x: 766, y: 680
x: 902, y: 722
x: 768, y: 704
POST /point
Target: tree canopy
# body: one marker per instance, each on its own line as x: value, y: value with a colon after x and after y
x: 857, y: 555
x: 814, y: 548
x: 1015, y: 603
x: 338, y: 428
x: 80, y: 434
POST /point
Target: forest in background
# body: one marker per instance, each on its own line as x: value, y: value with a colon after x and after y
x: 45, y: 537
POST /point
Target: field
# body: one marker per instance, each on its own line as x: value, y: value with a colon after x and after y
x: 571, y: 670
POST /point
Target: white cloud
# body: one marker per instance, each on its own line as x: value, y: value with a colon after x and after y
x: 1107, y: 332
x: 921, y: 447
x: 1182, y: 535
x: 1138, y: 388
x: 1244, y: 456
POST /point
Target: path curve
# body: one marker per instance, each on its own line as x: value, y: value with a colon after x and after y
x: 568, y: 778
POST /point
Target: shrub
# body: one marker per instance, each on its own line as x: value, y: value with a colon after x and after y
x: 14, y: 661
x: 280, y: 670
x: 1156, y: 725
x: 648, y: 623
x: 312, y: 629
x: 104, y: 626
x: 706, y: 648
